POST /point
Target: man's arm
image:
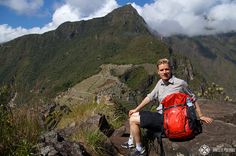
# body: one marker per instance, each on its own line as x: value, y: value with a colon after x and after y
x: 187, y: 90
x: 201, y: 116
x: 145, y: 101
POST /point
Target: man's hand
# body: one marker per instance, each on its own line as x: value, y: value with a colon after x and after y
x: 132, y: 111
x: 206, y: 119
x: 145, y: 101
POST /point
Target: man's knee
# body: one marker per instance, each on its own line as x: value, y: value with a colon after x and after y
x: 134, y: 118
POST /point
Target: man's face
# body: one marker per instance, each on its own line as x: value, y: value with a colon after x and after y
x: 164, y: 71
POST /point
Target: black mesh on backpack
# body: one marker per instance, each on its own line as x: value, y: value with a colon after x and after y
x: 194, y: 123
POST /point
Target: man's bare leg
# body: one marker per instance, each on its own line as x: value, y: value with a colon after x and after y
x: 135, y: 130
x: 135, y: 127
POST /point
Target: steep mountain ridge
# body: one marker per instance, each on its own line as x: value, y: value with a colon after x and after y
x: 41, y: 66
x: 49, y: 63
x: 213, y: 56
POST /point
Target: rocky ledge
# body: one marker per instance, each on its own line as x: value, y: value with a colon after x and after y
x: 218, y: 138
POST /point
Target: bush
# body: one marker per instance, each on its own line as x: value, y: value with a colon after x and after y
x: 214, y: 92
x: 19, y: 127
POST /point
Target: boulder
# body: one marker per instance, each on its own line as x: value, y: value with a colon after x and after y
x: 53, y: 143
x: 100, y: 122
x: 51, y: 114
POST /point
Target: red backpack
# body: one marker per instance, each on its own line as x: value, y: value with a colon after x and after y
x: 179, y: 118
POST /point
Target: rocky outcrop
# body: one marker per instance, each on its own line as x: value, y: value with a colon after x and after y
x: 56, y: 142
x: 53, y: 143
x: 98, y: 122
x: 218, y: 138
x: 51, y: 115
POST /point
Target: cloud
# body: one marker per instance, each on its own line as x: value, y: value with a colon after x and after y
x: 223, y: 18
x: 74, y: 10
x: 71, y: 10
x: 195, y: 17
x: 8, y: 33
x: 23, y: 6
x: 65, y: 13
x: 87, y: 7
x: 167, y: 17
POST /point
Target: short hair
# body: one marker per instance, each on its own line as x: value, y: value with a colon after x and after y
x: 163, y: 61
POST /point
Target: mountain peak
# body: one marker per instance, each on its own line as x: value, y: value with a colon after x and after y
x: 125, y: 12
x: 128, y: 18
x: 126, y: 8
x: 121, y: 20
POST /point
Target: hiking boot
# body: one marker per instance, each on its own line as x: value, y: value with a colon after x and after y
x: 127, y: 146
x: 138, y: 153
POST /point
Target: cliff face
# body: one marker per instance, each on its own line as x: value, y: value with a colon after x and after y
x: 214, y: 56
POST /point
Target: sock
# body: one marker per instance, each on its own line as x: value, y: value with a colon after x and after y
x: 131, y: 140
x: 139, y: 146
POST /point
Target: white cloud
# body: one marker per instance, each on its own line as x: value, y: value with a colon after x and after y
x: 88, y: 7
x: 195, y: 17
x: 71, y: 10
x: 23, y: 6
x: 65, y: 13
x: 105, y: 9
x: 7, y: 32
x: 223, y: 18
x: 167, y: 17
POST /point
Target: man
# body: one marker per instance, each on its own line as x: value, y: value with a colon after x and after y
x: 167, y: 85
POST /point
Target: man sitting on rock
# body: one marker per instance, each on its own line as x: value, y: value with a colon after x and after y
x: 167, y: 85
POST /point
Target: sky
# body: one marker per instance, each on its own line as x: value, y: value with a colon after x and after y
x: 167, y: 17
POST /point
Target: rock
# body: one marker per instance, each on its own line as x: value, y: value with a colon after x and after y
x: 45, y: 150
x: 117, y: 141
x: 98, y: 122
x: 110, y: 148
x: 213, y: 136
x: 218, y: 138
x: 52, y: 143
x: 52, y: 114
x: 119, y: 132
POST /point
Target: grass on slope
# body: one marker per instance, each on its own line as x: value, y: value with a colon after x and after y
x: 92, y: 138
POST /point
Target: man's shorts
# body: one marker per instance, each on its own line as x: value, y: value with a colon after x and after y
x: 151, y: 120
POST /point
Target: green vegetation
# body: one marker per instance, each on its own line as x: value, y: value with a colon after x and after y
x: 43, y: 65
x: 92, y: 137
x: 94, y: 140
x: 19, y: 127
x: 40, y: 66
x: 81, y: 112
x: 214, y: 92
x: 134, y: 78
x: 212, y: 56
